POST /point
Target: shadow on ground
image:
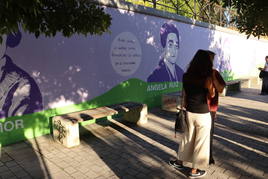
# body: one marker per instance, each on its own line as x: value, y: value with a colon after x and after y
x: 21, y: 160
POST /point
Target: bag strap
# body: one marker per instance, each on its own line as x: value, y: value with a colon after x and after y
x: 181, y: 108
x: 183, y: 98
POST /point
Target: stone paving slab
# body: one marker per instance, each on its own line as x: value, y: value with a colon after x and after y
x: 116, y: 149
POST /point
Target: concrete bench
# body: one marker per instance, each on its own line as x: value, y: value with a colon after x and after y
x: 235, y: 86
x: 66, y: 126
x: 171, y: 101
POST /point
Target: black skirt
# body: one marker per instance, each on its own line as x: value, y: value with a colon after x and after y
x: 264, y: 89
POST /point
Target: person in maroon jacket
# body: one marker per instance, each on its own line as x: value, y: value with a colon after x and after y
x: 213, y: 102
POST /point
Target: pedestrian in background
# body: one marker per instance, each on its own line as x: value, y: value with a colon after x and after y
x: 264, y: 76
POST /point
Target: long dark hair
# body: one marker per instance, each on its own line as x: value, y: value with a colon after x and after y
x: 200, y: 68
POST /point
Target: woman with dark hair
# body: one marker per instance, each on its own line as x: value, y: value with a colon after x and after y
x: 197, y: 87
x: 19, y: 93
x: 167, y: 69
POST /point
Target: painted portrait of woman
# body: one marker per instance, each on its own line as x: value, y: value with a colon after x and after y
x: 167, y: 69
x: 19, y: 93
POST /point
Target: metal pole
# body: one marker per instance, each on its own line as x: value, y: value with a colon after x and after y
x: 221, y: 10
x: 194, y: 9
x: 177, y: 8
x: 209, y: 21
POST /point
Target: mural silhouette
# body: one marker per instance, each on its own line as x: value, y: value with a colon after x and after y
x: 19, y: 93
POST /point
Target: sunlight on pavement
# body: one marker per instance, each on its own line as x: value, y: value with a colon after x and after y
x: 243, y: 146
x: 223, y: 127
x: 242, y: 118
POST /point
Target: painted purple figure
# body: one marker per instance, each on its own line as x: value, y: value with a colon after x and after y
x: 19, y: 93
x: 167, y: 69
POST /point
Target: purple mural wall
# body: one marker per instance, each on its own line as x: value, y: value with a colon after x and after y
x: 56, y: 72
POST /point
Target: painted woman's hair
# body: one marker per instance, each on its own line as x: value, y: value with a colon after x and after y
x: 165, y: 30
x: 13, y: 39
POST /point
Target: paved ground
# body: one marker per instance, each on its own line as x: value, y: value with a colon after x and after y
x: 120, y: 150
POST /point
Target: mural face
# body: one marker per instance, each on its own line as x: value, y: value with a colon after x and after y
x: 19, y: 94
x: 171, y: 49
x: 167, y: 69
